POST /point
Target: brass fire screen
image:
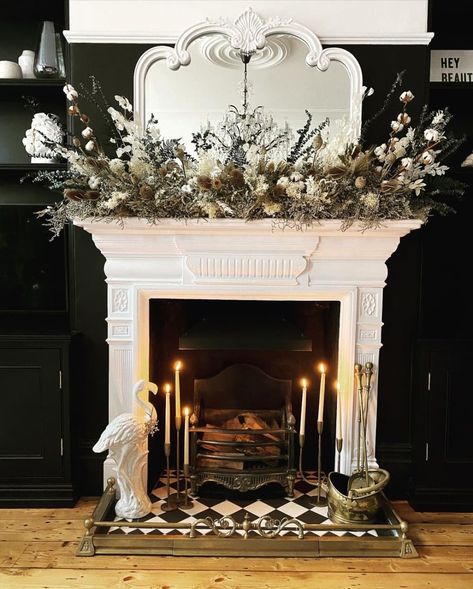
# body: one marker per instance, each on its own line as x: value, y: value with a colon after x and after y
x: 242, y: 434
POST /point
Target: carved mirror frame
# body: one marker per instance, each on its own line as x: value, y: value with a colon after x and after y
x: 248, y: 34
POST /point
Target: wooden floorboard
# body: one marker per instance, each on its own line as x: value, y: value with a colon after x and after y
x: 37, y: 550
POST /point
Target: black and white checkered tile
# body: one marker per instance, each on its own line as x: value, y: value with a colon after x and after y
x: 299, y: 507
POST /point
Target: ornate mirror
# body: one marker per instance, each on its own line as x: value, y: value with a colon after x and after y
x: 287, y: 72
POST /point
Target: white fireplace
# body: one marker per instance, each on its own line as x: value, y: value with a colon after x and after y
x: 234, y: 260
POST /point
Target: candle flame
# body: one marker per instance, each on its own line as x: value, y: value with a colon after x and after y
x: 186, y: 411
x: 304, y: 382
x: 167, y: 388
x: 337, y: 386
x: 322, y: 368
x: 178, y: 366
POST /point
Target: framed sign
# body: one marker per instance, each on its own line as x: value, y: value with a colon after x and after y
x: 451, y: 65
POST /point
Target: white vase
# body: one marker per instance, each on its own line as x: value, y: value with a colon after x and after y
x: 26, y: 62
x: 10, y: 70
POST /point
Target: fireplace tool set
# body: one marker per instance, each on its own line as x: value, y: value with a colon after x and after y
x: 358, y: 498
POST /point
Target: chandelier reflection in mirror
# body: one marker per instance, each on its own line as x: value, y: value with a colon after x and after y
x: 244, y: 132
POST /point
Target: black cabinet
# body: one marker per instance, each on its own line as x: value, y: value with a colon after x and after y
x: 35, y: 464
x: 442, y: 430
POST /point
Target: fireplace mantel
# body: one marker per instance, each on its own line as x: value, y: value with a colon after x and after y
x: 258, y: 260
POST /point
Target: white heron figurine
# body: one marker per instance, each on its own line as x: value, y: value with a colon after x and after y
x: 125, y: 438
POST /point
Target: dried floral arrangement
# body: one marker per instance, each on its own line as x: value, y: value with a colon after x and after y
x: 236, y: 175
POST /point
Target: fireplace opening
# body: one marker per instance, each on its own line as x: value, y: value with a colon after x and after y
x: 284, y: 340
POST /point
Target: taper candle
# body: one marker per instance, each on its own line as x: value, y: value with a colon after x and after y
x: 186, y: 436
x: 167, y: 425
x: 177, y: 392
x: 320, y: 416
x: 303, y: 406
x: 338, y: 435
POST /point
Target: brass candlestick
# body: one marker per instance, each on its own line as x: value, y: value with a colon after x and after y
x: 177, y: 499
x: 169, y: 504
x: 187, y: 503
x: 320, y: 500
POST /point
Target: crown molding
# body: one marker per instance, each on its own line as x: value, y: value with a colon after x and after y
x: 148, y: 38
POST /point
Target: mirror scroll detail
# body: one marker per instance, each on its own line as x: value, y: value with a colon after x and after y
x: 186, y: 100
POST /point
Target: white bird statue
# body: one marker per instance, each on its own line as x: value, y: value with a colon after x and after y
x: 125, y: 437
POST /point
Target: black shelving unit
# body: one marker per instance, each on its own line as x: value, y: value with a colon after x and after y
x: 35, y: 441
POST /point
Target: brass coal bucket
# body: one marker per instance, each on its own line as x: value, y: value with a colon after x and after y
x: 351, y: 500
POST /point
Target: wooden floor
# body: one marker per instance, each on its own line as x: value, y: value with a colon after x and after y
x: 37, y: 550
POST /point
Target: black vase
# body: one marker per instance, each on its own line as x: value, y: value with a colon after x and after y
x: 46, y: 61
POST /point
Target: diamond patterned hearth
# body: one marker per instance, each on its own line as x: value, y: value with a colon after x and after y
x: 277, y: 508
x: 259, y: 524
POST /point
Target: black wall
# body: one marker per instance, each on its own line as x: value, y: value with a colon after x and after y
x: 113, y: 66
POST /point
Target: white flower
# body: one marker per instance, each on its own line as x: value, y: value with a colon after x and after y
x: 296, y: 177
x: 44, y: 137
x: 283, y: 181
x: 407, y: 163
x: 117, y: 118
x: 87, y: 133
x: 186, y: 188
x: 124, y: 103
x: 294, y: 189
x: 370, y: 200
x: 90, y: 146
x: 153, y: 130
x: 404, y: 141
x: 271, y: 208
x: 417, y: 186
x: 116, y: 165
x: 123, y: 150
x: 410, y: 134
x: 406, y: 97
x: 438, y: 118
x: 427, y: 157
x: 436, y: 169
x: 115, y: 199
x: 431, y: 135
x: 70, y: 92
x: 261, y: 187
x: 396, y: 126
x: 403, y: 118
x: 380, y: 152
x: 138, y: 167
x: 94, y: 182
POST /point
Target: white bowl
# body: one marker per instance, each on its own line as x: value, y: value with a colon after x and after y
x: 10, y: 69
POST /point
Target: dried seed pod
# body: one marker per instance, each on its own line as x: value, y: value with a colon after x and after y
x: 389, y: 185
x: 360, y: 182
x: 336, y: 172
x: 146, y: 192
x: 73, y: 194
x: 204, y: 182
x: 91, y: 194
